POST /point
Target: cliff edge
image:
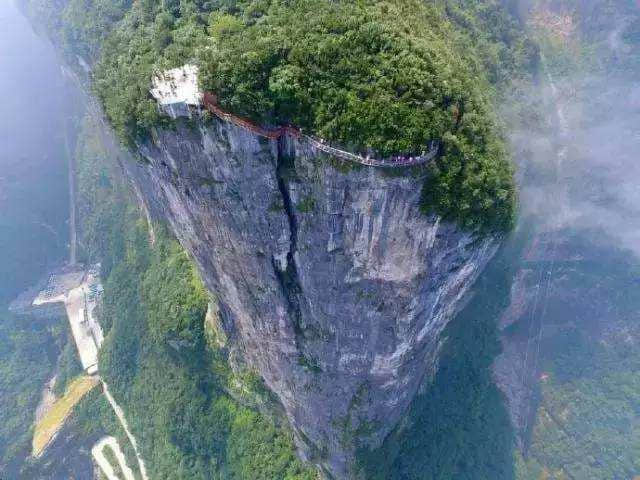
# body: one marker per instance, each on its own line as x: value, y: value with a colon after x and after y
x: 331, y: 282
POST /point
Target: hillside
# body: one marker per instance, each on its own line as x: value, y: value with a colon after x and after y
x: 304, y: 305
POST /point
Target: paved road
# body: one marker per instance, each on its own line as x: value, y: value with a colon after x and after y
x: 98, y: 453
x: 73, y: 236
x: 125, y: 426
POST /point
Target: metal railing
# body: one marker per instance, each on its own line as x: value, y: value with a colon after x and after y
x: 391, y: 162
x: 210, y: 103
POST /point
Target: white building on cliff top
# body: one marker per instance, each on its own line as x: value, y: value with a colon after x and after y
x: 177, y: 91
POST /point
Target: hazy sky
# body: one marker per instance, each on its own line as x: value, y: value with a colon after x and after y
x: 33, y: 89
x: 35, y: 111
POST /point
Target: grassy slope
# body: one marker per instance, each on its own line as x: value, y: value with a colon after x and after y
x: 53, y: 420
x: 110, y: 455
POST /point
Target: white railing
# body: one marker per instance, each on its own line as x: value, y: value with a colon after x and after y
x: 392, y: 162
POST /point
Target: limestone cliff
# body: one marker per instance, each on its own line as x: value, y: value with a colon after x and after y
x: 330, y: 281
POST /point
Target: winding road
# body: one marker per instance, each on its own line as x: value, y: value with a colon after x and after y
x: 98, y: 453
x: 123, y: 421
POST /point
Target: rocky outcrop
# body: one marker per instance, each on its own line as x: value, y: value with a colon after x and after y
x: 515, y: 369
x: 330, y: 281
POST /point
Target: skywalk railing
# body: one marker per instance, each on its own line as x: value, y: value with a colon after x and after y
x: 396, y: 161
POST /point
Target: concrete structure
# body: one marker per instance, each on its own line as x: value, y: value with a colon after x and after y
x: 58, y: 284
x: 125, y: 426
x: 177, y: 91
x: 79, y: 291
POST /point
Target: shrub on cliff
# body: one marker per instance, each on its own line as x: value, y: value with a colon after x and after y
x: 157, y: 363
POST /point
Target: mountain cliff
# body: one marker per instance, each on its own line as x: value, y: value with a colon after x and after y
x: 330, y: 281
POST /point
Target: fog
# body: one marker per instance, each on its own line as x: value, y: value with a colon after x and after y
x: 597, y: 181
x: 580, y: 169
x: 38, y: 111
x: 570, y: 332
x: 604, y: 189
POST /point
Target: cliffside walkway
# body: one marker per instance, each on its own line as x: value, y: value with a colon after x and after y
x: 398, y: 161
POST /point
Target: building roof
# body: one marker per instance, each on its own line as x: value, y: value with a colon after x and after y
x: 178, y: 85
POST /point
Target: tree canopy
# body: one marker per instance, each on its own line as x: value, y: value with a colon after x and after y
x: 373, y: 76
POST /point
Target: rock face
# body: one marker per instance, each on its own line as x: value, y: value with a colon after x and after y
x: 330, y: 281
x: 514, y: 372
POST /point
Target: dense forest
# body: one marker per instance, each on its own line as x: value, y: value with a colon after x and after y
x: 589, y: 401
x: 435, y: 70
x: 373, y: 76
x: 28, y: 352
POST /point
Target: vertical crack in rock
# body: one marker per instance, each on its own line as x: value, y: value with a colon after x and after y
x: 288, y: 278
x: 321, y: 317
